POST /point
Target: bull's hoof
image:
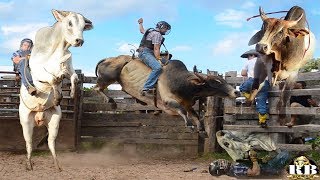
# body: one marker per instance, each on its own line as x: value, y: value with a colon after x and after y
x: 192, y: 128
x: 203, y: 134
x: 29, y: 166
x: 59, y: 169
x: 112, y: 103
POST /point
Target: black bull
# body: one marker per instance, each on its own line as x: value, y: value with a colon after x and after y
x: 177, y: 88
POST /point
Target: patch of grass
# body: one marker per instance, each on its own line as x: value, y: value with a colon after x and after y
x: 314, y: 155
x: 215, y: 155
x: 41, y: 153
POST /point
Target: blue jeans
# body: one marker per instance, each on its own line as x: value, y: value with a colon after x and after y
x: 149, y: 59
x: 23, y: 75
x: 261, y: 97
x: 277, y: 164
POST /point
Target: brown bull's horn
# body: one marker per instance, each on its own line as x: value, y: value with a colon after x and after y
x: 289, y: 24
x: 201, y: 77
x: 262, y: 14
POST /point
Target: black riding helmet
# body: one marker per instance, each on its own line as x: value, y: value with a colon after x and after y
x: 219, y: 167
x: 162, y: 25
x: 27, y: 40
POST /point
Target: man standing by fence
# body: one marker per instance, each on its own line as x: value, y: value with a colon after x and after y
x: 252, y: 68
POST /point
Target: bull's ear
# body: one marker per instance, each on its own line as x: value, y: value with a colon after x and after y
x: 297, y: 32
x: 255, y: 38
x: 88, y: 24
x: 59, y: 15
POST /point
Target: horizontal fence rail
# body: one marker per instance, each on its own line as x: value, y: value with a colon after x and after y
x: 238, y: 117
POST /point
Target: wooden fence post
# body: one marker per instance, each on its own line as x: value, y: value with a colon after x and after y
x: 78, y: 100
x: 211, y: 121
x: 274, y: 120
x: 229, y: 118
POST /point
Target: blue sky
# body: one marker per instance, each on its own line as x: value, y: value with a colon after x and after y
x: 211, y: 34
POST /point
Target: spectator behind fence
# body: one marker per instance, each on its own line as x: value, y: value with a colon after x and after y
x: 301, y: 101
x: 20, y: 60
x: 251, y: 69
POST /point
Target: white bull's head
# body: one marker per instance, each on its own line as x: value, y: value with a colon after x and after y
x: 72, y: 25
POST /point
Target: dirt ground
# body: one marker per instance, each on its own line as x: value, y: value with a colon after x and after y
x: 102, y: 165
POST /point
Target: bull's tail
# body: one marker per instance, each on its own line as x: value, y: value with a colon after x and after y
x: 98, y: 65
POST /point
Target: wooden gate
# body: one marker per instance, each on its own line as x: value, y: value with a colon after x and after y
x: 11, y: 137
x: 133, y: 126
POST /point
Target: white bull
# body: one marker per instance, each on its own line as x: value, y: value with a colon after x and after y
x: 50, y: 62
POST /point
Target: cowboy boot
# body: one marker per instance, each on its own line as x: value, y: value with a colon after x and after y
x: 247, y: 96
x: 262, y: 120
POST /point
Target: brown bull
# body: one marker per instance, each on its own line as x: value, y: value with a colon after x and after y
x: 177, y: 88
x: 285, y: 44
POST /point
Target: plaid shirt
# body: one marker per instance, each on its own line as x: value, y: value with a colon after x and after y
x: 19, y: 53
x: 155, y: 37
x: 238, y: 169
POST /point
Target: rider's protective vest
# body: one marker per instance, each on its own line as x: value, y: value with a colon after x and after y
x: 148, y: 43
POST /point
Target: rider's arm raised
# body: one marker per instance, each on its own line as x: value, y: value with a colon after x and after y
x: 140, y: 21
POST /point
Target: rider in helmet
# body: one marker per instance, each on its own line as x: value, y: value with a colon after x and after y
x: 149, y: 51
x: 274, y: 166
x: 21, y: 65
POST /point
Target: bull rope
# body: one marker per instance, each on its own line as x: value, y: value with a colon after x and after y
x: 266, y: 14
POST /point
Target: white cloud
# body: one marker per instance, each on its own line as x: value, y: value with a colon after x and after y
x: 232, y: 43
x: 182, y: 48
x: 29, y: 28
x: 6, y: 68
x: 231, y: 17
x: 13, y: 34
x: 11, y: 31
x: 125, y: 48
x: 248, y: 4
x: 6, y: 7
x: 93, y: 9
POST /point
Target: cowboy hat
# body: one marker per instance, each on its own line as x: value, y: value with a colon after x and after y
x: 252, y: 51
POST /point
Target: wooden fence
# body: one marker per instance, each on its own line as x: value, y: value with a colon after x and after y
x: 239, y: 117
x: 134, y: 127
x: 87, y: 118
x: 11, y: 137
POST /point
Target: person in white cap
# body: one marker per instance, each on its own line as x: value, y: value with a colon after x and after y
x: 247, y: 87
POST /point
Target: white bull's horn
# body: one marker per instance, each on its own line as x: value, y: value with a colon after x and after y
x: 289, y: 24
x: 262, y: 14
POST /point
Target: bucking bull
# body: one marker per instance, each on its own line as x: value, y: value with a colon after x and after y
x: 177, y: 88
x: 50, y: 63
x: 285, y: 45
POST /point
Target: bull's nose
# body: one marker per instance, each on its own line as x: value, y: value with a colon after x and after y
x: 262, y: 48
x: 79, y: 42
x: 237, y: 93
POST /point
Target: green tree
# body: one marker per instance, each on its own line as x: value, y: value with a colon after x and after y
x: 312, y: 64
